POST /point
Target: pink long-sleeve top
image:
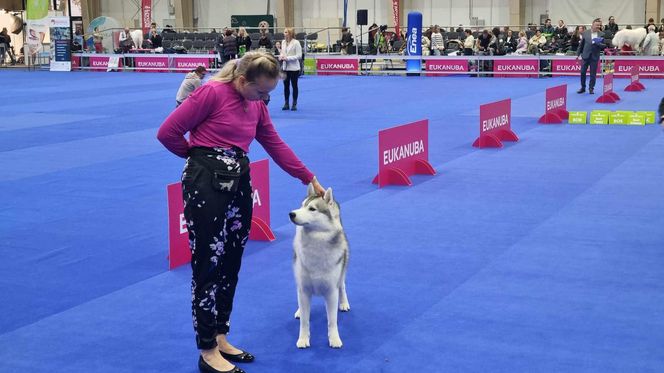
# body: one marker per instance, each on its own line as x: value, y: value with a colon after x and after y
x: 216, y: 115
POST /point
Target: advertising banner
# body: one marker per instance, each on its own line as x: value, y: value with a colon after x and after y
x: 37, y: 27
x: 337, y: 66
x: 403, y: 151
x: 555, y: 105
x: 151, y: 64
x: 414, y: 42
x: 60, y: 44
x: 646, y: 67
x: 100, y: 62
x: 395, y: 16
x: 495, y: 125
x: 568, y: 67
x: 438, y: 67
x: 146, y: 15
x: 516, y: 68
x: 608, y: 96
x: 191, y: 63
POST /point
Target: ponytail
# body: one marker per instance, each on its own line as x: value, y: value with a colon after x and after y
x: 252, y: 65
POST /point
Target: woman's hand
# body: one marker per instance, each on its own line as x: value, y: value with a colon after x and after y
x: 317, y: 187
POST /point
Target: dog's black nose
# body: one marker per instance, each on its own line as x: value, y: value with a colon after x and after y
x: 292, y: 215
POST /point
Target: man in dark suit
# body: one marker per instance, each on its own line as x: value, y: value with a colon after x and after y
x: 589, y: 48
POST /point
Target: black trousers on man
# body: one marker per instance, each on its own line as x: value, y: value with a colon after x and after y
x: 593, y: 72
x: 218, y: 221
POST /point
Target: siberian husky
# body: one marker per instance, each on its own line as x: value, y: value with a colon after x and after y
x: 321, y: 259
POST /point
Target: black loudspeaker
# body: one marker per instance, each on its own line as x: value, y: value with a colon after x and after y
x: 362, y: 17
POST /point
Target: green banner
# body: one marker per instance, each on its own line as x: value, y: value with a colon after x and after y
x: 599, y: 117
x: 578, y: 117
x: 36, y: 9
x: 310, y: 66
x: 649, y: 115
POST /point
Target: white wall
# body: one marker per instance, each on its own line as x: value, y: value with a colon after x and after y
x: 315, y: 13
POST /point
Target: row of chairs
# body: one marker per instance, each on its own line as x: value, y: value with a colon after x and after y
x: 205, y: 36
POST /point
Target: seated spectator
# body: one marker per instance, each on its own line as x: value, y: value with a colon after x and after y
x: 426, y: 45
x: 575, y: 40
x: 437, y: 41
x: 468, y: 43
x: 661, y: 42
x: 651, y: 22
x: 155, y: 39
x: 536, y: 42
x: 511, y: 42
x: 651, y: 43
x: 168, y: 29
x: 243, y: 41
x: 522, y: 45
x: 125, y: 40
x: 661, y: 26
x: 547, y: 29
x: 346, y: 41
x: 561, y: 31
x: 264, y: 41
x: 611, y: 28
x: 483, y: 41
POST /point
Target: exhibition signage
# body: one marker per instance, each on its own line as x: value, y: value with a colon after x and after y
x: 445, y: 67
x: 609, y: 96
x: 337, y: 66
x: 555, y: 105
x: 635, y: 84
x: 191, y: 63
x: 568, y: 66
x: 403, y: 151
x: 414, y: 43
x: 599, y: 117
x: 577, y: 117
x: 146, y: 15
x: 60, y: 44
x: 179, y: 252
x: 495, y: 125
x: 154, y: 64
x: 646, y: 67
x: 516, y: 68
x: 100, y: 62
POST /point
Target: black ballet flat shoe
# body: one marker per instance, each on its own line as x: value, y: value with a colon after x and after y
x: 582, y: 90
x: 294, y: 107
x: 285, y: 107
x: 243, y: 357
x: 591, y: 91
x: 204, y: 367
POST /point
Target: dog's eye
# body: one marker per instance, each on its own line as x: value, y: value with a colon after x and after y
x: 312, y: 209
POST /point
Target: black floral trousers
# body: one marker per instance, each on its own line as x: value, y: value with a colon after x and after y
x: 218, y: 216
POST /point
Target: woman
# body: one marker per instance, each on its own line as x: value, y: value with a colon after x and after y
x: 223, y: 117
x: 437, y: 42
x: 522, y: 45
x: 576, y: 38
x: 468, y: 43
x: 243, y: 41
x: 291, y: 53
x: 229, y: 46
x: 97, y: 37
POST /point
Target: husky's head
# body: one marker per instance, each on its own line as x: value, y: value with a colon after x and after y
x: 318, y: 213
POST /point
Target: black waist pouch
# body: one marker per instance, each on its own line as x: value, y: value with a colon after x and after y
x: 226, y: 166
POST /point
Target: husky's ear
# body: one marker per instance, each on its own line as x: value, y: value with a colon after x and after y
x: 310, y: 190
x: 328, y: 196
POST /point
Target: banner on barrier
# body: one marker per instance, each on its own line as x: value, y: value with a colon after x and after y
x: 100, y: 63
x: 495, y: 125
x: 555, y: 105
x: 403, y: 151
x: 178, y: 237
x: 608, y: 96
x: 623, y: 68
x: 516, y: 68
x: 151, y: 64
x: 192, y: 63
x: 337, y: 66
x: 146, y: 15
x: 60, y: 44
x: 437, y: 67
x: 569, y: 67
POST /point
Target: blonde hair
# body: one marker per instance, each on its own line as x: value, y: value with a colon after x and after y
x: 291, y: 32
x: 252, y: 65
x: 242, y: 31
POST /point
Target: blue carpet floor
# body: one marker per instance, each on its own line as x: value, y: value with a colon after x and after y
x: 544, y: 256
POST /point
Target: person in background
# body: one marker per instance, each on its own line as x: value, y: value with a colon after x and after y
x: 264, y: 41
x: 346, y: 41
x: 468, y: 43
x: 243, y: 42
x: 661, y: 112
x: 651, y: 22
x: 536, y: 42
x: 426, y: 45
x: 125, y: 40
x: 547, y: 29
x: 522, y: 45
x: 561, y: 30
x: 611, y: 28
x: 222, y: 118
x: 575, y: 40
x: 6, y: 47
x: 511, y: 42
x: 97, y: 38
x: 229, y: 46
x: 589, y: 48
x: 155, y: 39
x: 661, y: 42
x: 651, y: 43
x: 291, y: 53
x: 191, y: 81
x: 437, y: 42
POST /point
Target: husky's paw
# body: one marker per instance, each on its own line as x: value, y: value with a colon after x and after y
x: 335, y: 342
x: 344, y: 307
x: 297, y: 314
x: 303, y: 342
